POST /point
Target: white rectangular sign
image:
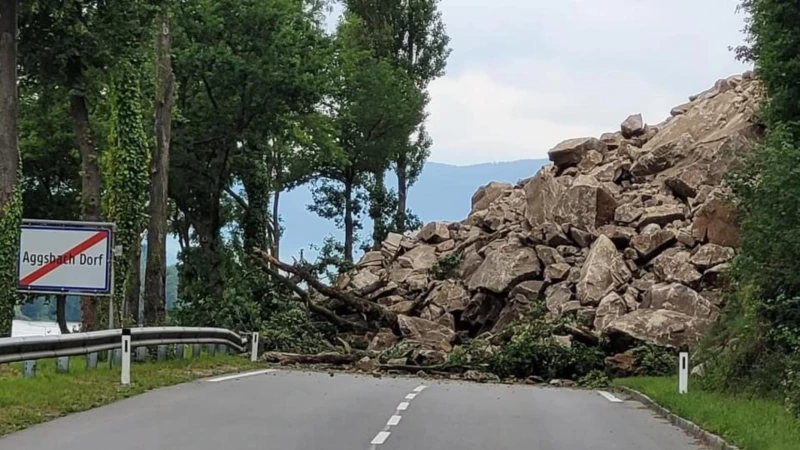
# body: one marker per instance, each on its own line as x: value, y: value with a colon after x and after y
x: 69, y: 257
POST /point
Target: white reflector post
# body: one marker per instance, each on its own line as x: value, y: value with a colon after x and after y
x: 683, y: 371
x: 254, y: 349
x: 125, y: 377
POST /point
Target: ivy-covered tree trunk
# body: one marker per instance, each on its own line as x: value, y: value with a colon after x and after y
x: 126, y: 167
x: 155, y: 304
x: 256, y: 216
x: 10, y: 192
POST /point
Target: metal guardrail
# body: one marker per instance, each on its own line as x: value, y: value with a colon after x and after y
x: 31, y: 348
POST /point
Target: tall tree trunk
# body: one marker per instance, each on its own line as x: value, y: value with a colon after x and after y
x: 90, y: 189
x: 254, y: 223
x: 377, y: 209
x: 133, y: 285
x: 276, y: 223
x: 349, y: 225
x: 61, y: 313
x: 156, y: 270
x: 10, y: 208
x: 402, y: 194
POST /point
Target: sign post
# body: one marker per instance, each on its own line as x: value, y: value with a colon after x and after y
x: 683, y: 370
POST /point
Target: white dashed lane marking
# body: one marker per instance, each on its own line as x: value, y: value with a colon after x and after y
x: 383, y: 435
x: 610, y: 397
x: 240, y: 375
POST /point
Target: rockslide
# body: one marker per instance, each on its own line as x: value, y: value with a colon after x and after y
x: 627, y: 233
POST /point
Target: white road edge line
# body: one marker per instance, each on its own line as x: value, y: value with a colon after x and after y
x: 402, y: 406
x: 380, y: 438
x: 610, y: 397
x: 411, y: 396
x: 420, y: 388
x: 394, y: 420
x: 240, y: 375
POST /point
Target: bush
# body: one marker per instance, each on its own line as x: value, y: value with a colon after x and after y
x: 654, y: 361
x: 595, y: 379
x: 445, y: 267
x: 532, y: 350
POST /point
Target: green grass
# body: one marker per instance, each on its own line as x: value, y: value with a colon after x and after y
x: 26, y: 402
x: 751, y: 424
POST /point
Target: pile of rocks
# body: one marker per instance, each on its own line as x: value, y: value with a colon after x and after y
x: 628, y: 233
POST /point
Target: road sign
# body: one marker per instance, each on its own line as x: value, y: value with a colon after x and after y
x: 65, y: 258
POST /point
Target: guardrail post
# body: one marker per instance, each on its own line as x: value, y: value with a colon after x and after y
x: 125, y: 376
x: 223, y: 349
x: 116, y: 356
x: 141, y: 354
x: 62, y: 364
x: 162, y: 352
x: 683, y: 370
x: 91, y: 361
x: 210, y: 349
x: 179, y: 349
x: 254, y: 347
x: 195, y: 350
x: 29, y: 369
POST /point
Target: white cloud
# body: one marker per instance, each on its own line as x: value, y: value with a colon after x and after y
x: 526, y: 74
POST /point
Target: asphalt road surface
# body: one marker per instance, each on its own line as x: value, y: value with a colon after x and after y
x: 285, y: 410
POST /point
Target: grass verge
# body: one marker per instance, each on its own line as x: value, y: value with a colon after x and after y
x: 26, y: 402
x: 750, y: 424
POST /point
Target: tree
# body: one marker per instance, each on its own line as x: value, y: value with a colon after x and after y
x: 412, y: 35
x: 10, y: 192
x: 125, y: 170
x: 241, y: 67
x: 51, y: 181
x: 372, y: 104
x: 71, y: 44
x: 764, y: 311
x: 156, y: 269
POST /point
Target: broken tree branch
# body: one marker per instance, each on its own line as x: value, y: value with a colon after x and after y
x: 357, y: 303
x: 297, y: 358
x: 313, y: 307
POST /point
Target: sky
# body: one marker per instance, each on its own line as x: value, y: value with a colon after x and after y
x: 525, y: 75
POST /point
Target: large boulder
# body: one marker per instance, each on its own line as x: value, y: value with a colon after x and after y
x: 675, y: 266
x: 633, y: 126
x: 652, y: 241
x: 711, y: 255
x: 419, y: 258
x: 715, y: 222
x: 603, y: 271
x: 427, y: 332
x: 611, y: 307
x: 488, y: 193
x: 587, y: 204
x: 658, y: 326
x: 542, y: 193
x: 662, y: 215
x: 679, y: 298
x: 434, y: 233
x: 450, y: 295
x: 570, y: 152
x: 508, y: 265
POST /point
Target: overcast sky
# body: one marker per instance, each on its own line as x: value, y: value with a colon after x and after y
x: 526, y: 74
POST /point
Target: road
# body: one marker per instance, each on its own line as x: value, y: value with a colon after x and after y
x: 286, y: 410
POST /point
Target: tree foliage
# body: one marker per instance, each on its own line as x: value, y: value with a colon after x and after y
x: 762, y: 321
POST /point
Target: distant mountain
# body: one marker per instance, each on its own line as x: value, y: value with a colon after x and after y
x: 443, y: 192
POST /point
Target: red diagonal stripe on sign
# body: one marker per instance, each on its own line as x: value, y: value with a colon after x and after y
x: 53, y: 265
